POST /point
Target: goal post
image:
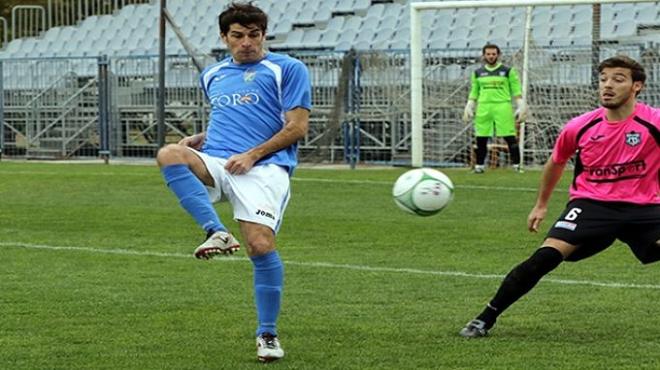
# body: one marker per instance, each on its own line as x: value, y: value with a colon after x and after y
x: 417, y: 61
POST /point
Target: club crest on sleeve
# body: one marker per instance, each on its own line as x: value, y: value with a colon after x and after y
x: 633, y: 138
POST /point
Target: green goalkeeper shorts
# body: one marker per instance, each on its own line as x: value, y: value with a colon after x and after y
x: 494, y: 119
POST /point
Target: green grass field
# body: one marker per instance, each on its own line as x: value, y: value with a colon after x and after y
x: 97, y: 273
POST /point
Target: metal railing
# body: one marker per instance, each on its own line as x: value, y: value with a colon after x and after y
x: 5, y: 32
x: 360, y: 112
x: 30, y: 20
x: 27, y: 21
x: 73, y: 11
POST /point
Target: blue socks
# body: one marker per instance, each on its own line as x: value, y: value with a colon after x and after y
x: 193, y: 196
x: 268, y: 282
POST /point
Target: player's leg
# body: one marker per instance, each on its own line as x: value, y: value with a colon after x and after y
x: 584, y: 229
x: 505, y: 128
x: 514, y: 151
x: 520, y: 280
x: 187, y: 176
x: 268, y: 283
x: 482, y: 151
x: 259, y: 199
x: 483, y: 129
x: 642, y: 231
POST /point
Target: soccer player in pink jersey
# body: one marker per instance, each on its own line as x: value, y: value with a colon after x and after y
x: 615, y: 192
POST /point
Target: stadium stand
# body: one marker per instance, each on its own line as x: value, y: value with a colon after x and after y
x: 323, y: 33
x: 294, y: 25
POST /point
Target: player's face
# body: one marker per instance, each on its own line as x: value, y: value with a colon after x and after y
x: 490, y: 56
x: 616, y: 87
x: 245, y: 43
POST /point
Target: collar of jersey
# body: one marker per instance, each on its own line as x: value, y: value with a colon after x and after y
x: 492, y: 68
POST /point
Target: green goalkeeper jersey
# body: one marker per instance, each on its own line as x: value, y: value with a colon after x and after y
x: 495, y: 85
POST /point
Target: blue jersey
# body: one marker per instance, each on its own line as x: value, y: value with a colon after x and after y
x: 248, y: 103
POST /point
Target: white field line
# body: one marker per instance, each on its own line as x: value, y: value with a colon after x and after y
x: 390, y: 183
x: 329, y: 265
x: 295, y: 179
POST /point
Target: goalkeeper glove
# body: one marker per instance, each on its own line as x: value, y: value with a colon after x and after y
x: 521, y: 110
x: 468, y: 113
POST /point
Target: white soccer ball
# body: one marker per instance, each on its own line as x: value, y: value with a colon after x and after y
x: 423, y: 191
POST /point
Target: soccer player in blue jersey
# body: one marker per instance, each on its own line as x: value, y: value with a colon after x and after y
x: 260, y: 103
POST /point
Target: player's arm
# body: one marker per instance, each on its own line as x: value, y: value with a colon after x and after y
x: 468, y: 112
x: 295, y: 128
x: 194, y: 141
x: 516, y: 93
x: 552, y: 172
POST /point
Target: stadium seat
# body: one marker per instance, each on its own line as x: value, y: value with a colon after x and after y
x: 312, y: 38
x: 647, y: 14
x: 437, y: 43
x: 12, y: 47
x: 399, y: 44
x: 388, y: 22
x: 322, y: 15
x: 382, y: 38
x: 336, y: 23
x: 376, y: 11
x: 541, y: 16
x: 353, y: 22
x: 52, y: 34
x: 582, y: 31
x: 627, y: 28
x: 366, y: 35
x: 329, y: 38
x: 344, y: 45
x: 346, y: 39
x: 370, y: 22
x: 280, y: 29
x: 562, y: 15
x: 458, y: 43
x: 361, y: 6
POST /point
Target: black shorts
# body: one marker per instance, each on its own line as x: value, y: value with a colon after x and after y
x: 593, y: 226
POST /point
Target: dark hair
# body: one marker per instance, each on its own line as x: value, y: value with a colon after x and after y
x: 244, y: 14
x: 622, y: 61
x: 490, y: 46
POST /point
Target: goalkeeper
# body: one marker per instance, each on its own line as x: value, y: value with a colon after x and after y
x: 493, y: 86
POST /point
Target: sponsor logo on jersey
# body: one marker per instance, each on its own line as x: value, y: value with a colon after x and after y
x: 566, y: 225
x: 236, y: 99
x: 633, y: 138
x: 616, y: 172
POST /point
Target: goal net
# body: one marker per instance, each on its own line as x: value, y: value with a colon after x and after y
x: 553, y: 45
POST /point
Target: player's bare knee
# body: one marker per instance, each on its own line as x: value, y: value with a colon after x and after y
x: 259, y: 245
x: 170, y: 154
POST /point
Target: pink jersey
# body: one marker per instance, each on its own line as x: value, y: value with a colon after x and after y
x: 615, y: 161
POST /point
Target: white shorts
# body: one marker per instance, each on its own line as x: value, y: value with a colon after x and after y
x: 260, y: 196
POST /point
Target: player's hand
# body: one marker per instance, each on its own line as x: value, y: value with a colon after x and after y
x: 468, y: 112
x: 239, y: 164
x: 194, y: 141
x: 535, y: 217
x: 521, y: 111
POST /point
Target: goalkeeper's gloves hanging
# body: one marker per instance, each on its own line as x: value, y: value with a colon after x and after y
x: 521, y: 110
x: 468, y: 113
